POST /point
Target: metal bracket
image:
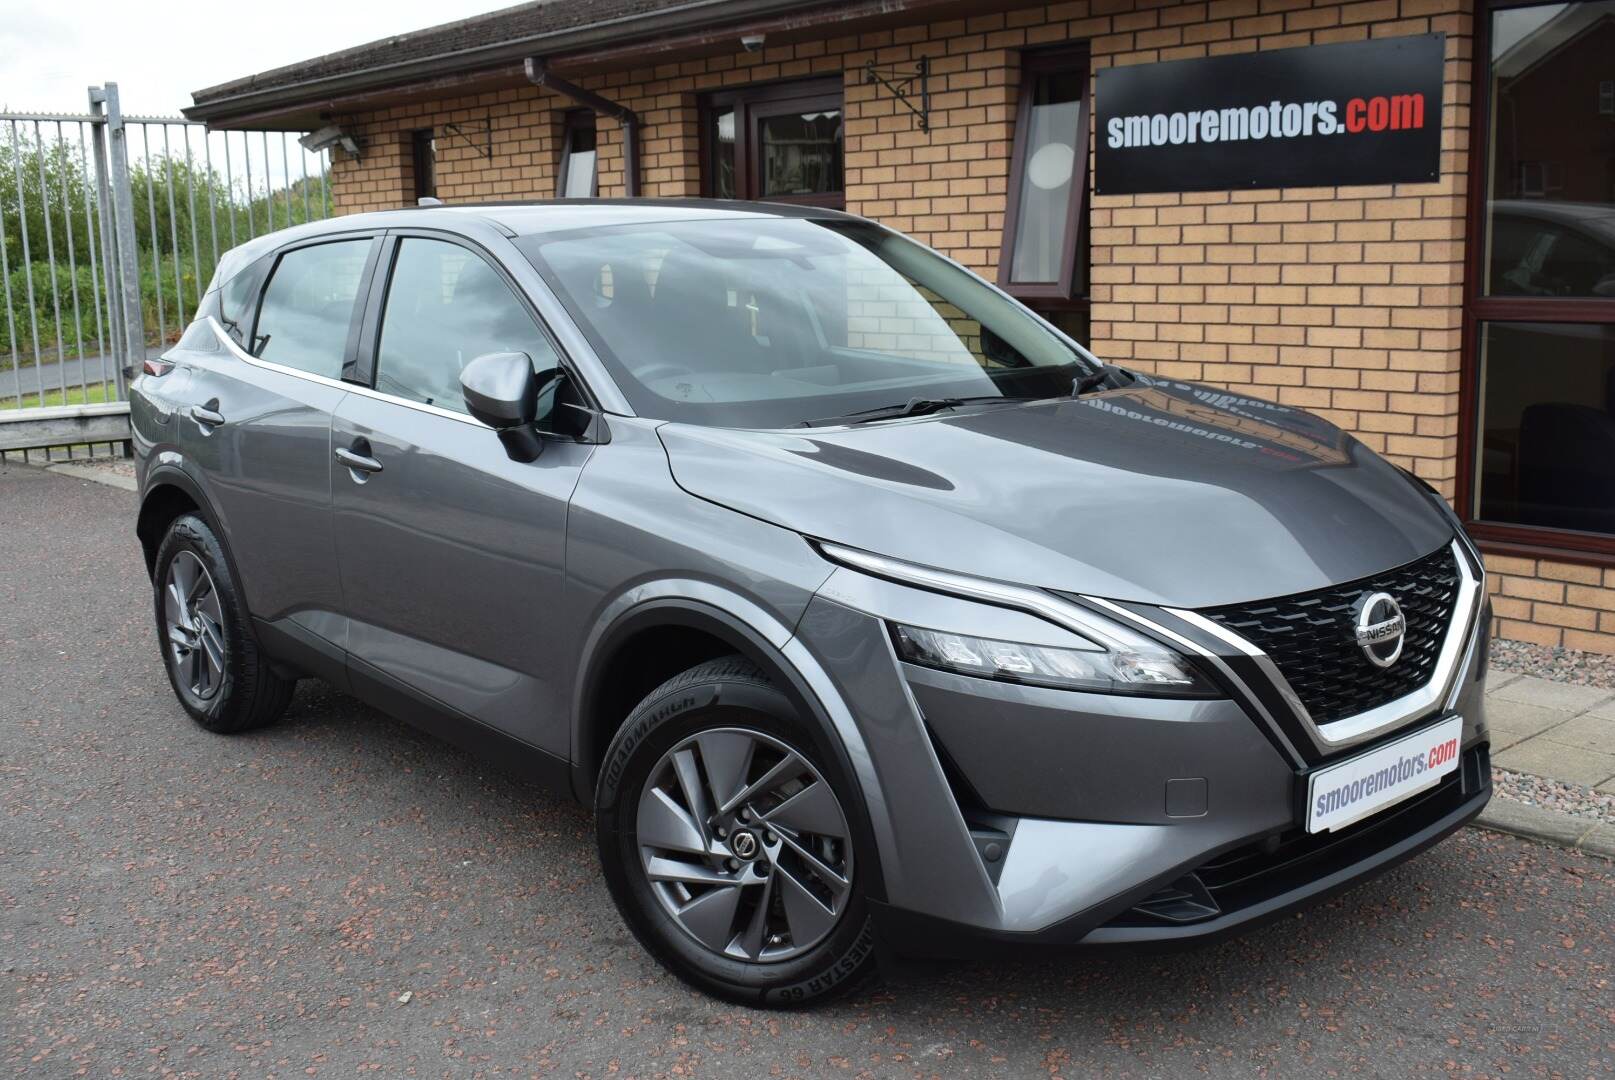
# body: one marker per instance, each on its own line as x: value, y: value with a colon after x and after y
x: 903, y: 81
x: 457, y: 131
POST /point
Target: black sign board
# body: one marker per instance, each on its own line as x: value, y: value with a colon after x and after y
x: 1362, y: 112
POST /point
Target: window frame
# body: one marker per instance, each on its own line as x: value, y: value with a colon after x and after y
x: 753, y: 104
x: 1033, y: 65
x: 350, y: 345
x: 423, y: 151
x: 368, y: 346
x: 571, y: 122
x: 1504, y: 538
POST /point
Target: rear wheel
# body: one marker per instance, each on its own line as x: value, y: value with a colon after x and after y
x: 212, y: 659
x: 728, y: 843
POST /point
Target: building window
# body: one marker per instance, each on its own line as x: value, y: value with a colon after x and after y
x: 578, y: 179
x: 1044, y: 258
x: 782, y: 142
x: 1539, y: 430
x: 423, y: 157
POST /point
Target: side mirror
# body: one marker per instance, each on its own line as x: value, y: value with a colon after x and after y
x: 501, y: 390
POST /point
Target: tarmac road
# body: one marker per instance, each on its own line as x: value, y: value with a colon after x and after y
x: 177, y: 903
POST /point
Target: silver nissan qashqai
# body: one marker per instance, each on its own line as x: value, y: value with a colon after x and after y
x: 874, y: 616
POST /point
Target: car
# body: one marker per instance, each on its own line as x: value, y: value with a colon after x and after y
x: 874, y: 616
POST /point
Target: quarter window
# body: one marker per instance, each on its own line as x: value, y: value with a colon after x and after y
x: 446, y: 307
x: 308, y: 307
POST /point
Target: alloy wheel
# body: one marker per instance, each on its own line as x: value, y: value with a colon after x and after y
x: 745, y: 845
x: 195, y: 626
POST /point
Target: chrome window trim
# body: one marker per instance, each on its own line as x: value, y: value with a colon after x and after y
x: 235, y: 350
x: 1441, y: 689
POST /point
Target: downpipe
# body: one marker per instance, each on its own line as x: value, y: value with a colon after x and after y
x: 539, y: 75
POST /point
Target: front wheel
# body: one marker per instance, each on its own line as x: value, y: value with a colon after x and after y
x: 727, y: 841
x: 212, y: 658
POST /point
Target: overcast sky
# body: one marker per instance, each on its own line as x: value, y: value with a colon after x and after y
x: 158, y: 53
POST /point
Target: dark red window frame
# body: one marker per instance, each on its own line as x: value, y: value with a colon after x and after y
x: 1502, y: 538
x: 1059, y: 294
x: 752, y: 105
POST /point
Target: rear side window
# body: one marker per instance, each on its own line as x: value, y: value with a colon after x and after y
x: 446, y: 307
x: 308, y: 307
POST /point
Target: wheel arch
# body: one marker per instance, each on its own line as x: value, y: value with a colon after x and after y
x: 608, y: 685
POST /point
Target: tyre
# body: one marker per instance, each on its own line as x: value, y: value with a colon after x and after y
x: 731, y: 842
x: 208, y: 648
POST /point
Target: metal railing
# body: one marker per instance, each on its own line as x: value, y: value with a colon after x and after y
x: 110, y: 228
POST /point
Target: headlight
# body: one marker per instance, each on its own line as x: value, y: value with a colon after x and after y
x: 1138, y: 666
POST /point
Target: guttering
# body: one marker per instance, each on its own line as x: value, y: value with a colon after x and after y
x: 538, y: 74
x: 241, y: 98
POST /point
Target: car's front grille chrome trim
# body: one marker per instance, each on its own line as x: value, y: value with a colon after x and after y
x: 1439, y: 690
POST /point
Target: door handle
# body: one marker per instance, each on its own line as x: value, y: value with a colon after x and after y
x: 361, y: 463
x: 207, y: 419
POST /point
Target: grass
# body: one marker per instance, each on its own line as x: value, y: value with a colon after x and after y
x: 75, y: 395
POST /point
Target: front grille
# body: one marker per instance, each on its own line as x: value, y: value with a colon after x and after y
x: 1311, y: 636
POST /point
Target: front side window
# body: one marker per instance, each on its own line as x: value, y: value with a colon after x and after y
x: 445, y: 307
x: 1542, y: 438
x: 308, y: 307
x: 775, y: 322
x: 782, y: 142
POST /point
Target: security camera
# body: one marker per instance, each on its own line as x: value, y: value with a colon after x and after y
x: 753, y: 42
x: 327, y: 137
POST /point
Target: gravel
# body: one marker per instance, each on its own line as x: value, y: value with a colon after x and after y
x: 1560, y: 665
x: 1559, y: 795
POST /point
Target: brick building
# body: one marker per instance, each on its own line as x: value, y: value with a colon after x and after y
x: 1462, y: 324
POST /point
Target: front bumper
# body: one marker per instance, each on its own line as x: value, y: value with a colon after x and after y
x: 1248, y: 886
x: 1006, y: 813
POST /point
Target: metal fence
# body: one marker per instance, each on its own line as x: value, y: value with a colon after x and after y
x: 110, y: 227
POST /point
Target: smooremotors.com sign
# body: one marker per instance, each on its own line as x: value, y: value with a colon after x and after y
x: 1362, y: 112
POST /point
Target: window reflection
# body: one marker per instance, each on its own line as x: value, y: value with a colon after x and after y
x: 1049, y: 170
x: 1547, y: 455
x: 1551, y: 194
x: 801, y: 153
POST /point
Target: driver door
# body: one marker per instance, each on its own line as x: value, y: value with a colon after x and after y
x: 451, y: 554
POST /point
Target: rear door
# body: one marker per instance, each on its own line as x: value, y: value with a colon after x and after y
x: 259, y: 427
x: 452, y: 554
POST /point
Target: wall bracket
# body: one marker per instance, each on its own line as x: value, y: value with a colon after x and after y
x: 458, y: 131
x: 906, y: 82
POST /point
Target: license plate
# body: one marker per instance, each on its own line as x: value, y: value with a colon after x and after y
x: 1368, y: 783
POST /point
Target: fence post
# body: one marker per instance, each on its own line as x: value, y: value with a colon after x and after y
x: 123, y: 213
x: 109, y: 240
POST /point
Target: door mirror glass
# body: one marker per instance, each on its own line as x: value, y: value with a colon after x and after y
x: 500, y: 389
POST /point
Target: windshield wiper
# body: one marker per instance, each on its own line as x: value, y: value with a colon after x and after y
x: 915, y: 406
x: 1108, y: 377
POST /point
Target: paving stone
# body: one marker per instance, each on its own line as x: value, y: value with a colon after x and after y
x: 1512, y: 722
x: 1496, y: 680
x: 1608, y: 787
x: 1585, y: 733
x: 1601, y: 841
x: 1541, y: 757
x: 1546, y: 694
x: 1606, y: 710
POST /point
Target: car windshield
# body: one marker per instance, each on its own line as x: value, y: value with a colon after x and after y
x: 773, y: 322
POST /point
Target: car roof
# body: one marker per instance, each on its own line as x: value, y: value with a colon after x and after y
x: 524, y: 219
x: 555, y: 215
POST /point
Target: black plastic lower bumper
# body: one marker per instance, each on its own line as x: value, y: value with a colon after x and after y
x: 1242, y: 888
